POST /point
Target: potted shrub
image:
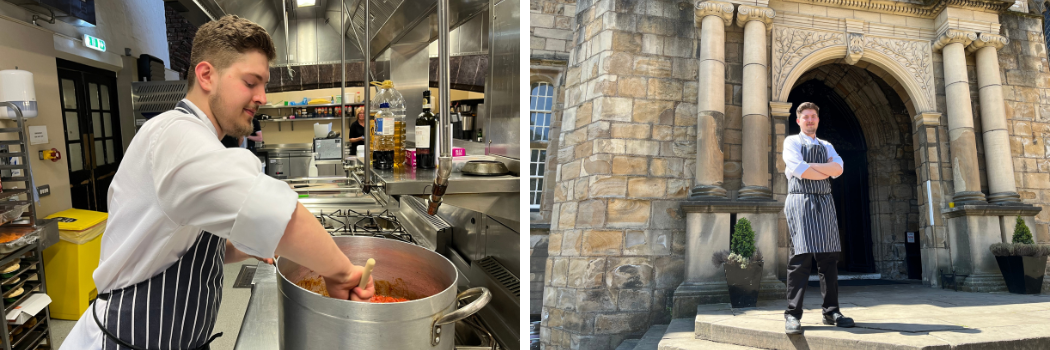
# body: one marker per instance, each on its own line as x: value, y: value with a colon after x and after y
x: 742, y: 265
x: 1021, y: 262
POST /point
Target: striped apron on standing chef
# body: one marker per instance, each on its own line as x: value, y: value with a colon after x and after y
x: 810, y: 210
x: 175, y: 309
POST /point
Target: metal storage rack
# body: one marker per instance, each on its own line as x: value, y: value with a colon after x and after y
x: 31, y: 255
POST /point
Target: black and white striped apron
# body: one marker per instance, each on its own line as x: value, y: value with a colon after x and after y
x: 175, y: 309
x: 810, y: 210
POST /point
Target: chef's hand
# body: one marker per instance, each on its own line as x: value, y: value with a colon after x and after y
x: 265, y: 260
x: 349, y: 289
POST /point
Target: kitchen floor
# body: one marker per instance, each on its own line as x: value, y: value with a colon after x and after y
x: 231, y: 312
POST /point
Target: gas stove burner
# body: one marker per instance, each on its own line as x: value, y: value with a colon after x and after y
x: 349, y: 222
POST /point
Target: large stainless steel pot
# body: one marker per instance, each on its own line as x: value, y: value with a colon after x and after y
x: 311, y: 321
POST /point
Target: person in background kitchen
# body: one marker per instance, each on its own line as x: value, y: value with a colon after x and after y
x: 357, y: 131
x: 188, y: 205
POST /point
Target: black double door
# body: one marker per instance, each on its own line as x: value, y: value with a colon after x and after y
x: 92, y: 128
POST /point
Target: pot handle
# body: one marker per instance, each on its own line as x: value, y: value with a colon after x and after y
x: 461, y: 313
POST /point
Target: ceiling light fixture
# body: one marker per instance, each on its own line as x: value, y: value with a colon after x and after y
x: 305, y: 3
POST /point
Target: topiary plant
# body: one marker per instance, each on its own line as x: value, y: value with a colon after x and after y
x: 1022, y: 244
x: 742, y: 247
x: 742, y: 242
x: 1021, y: 232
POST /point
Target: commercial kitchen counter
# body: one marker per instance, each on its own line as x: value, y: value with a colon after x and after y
x: 414, y: 181
x: 259, y: 331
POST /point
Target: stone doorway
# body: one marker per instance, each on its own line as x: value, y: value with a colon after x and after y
x: 875, y: 197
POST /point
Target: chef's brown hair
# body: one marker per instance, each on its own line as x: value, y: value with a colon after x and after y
x: 220, y: 42
x: 805, y: 106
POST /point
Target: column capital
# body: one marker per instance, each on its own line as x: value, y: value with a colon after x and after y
x: 721, y: 9
x: 747, y: 13
x: 928, y: 119
x: 987, y: 40
x: 780, y: 110
x: 951, y: 36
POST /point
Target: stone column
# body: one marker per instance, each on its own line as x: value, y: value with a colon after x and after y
x: 756, y: 21
x: 712, y: 17
x: 963, y: 144
x: 997, y: 156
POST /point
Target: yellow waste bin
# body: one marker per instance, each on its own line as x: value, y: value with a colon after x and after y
x: 70, y: 263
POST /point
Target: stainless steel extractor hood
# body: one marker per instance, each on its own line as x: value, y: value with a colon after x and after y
x: 313, y: 31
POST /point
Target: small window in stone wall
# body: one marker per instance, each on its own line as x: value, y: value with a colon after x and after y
x: 537, y: 164
x: 541, y: 103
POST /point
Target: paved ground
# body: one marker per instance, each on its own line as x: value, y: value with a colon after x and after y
x: 899, y: 316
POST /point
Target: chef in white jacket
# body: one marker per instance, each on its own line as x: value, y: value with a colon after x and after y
x: 181, y: 205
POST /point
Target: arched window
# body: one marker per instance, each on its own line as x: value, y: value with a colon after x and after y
x: 541, y: 104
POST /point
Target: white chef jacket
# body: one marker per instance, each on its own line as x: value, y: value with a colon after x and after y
x: 175, y: 180
x: 794, y: 164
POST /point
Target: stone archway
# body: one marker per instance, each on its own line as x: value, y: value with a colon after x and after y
x: 910, y: 62
x: 876, y: 132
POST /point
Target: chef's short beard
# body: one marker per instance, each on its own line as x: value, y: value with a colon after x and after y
x: 230, y: 124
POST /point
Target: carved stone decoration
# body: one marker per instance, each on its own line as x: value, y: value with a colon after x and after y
x: 954, y: 36
x: 791, y: 45
x: 987, y: 40
x: 916, y: 57
x: 927, y: 9
x: 854, y: 47
x: 713, y: 8
x: 746, y: 13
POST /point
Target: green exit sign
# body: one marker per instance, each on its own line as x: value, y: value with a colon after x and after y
x: 94, y: 43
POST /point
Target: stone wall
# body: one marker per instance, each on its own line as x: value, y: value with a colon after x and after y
x: 625, y: 161
x: 1026, y: 88
x: 551, y: 24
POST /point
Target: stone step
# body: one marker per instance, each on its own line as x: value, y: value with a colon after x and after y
x: 765, y: 329
x: 680, y: 336
x: 628, y: 344
x: 651, y: 339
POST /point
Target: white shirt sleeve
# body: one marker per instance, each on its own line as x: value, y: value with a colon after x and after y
x: 221, y: 190
x: 794, y: 164
x: 834, y: 156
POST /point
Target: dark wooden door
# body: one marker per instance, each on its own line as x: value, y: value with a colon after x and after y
x: 92, y: 127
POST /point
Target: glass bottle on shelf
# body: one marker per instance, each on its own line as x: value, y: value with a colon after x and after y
x: 426, y: 135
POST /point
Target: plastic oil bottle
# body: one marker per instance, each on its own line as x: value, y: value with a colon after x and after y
x: 398, y: 141
x: 383, y: 156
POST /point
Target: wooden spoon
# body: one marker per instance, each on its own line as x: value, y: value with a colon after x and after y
x: 369, y: 265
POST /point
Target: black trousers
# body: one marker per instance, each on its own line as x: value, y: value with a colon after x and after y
x: 799, y: 267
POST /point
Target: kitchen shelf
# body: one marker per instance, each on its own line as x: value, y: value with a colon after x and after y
x: 11, y: 193
x: 26, y: 333
x: 28, y: 290
x: 36, y: 339
x: 415, y: 182
x: 34, y: 264
x: 21, y: 271
x: 278, y: 121
x: 310, y: 106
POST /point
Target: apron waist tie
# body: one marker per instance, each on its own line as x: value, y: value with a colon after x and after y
x: 94, y: 313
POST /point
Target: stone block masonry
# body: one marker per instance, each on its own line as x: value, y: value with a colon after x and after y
x: 626, y: 159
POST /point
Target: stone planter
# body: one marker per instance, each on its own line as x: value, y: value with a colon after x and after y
x: 1022, y: 274
x: 744, y: 284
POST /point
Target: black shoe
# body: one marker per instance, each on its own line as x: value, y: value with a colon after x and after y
x: 838, y: 320
x: 792, y: 325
